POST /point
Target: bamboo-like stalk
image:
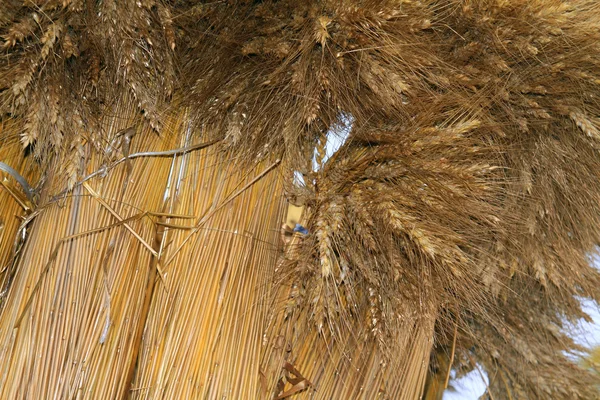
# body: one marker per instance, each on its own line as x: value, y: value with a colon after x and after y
x: 89, y: 295
x: 95, y: 282
x: 205, y: 327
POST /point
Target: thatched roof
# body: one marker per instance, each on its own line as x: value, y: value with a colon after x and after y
x: 158, y: 142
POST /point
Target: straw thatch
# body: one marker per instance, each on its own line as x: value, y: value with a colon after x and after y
x: 148, y: 151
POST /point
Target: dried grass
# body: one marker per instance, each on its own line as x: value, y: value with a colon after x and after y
x: 15, y: 205
x: 452, y: 230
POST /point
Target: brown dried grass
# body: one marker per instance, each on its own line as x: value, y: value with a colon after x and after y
x: 453, y: 228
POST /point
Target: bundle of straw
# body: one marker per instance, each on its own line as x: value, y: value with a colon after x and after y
x: 149, y: 149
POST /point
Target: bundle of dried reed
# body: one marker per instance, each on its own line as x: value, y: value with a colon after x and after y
x: 453, y: 229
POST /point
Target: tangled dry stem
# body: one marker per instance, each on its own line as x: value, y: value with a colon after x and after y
x: 465, y: 198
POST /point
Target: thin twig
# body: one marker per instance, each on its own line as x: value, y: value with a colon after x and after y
x: 452, y: 355
x: 118, y: 217
x: 120, y: 222
x: 167, y: 153
x: 143, y: 318
x: 54, y: 254
x: 209, y: 214
x: 487, y: 387
x: 23, y: 205
x: 20, y: 239
x: 161, y: 274
x: 505, y: 384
